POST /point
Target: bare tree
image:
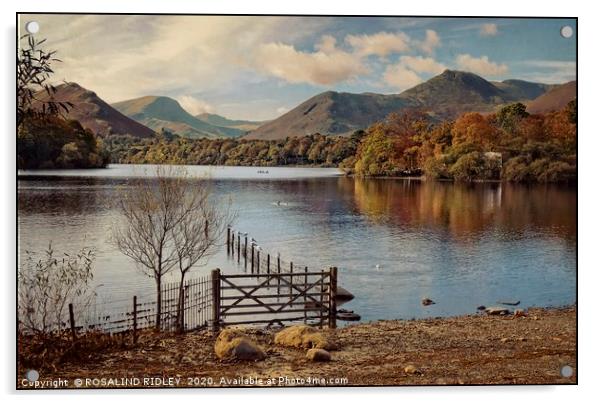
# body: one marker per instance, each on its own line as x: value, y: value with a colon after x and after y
x: 161, y: 218
x: 199, y: 235
x: 47, y: 285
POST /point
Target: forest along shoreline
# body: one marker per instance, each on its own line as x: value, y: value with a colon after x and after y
x: 537, y: 347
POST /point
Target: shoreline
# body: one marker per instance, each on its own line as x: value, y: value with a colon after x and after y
x: 463, y: 350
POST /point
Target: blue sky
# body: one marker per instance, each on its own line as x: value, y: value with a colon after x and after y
x: 259, y: 67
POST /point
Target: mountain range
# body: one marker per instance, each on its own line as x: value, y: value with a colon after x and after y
x: 444, y: 96
x: 159, y: 113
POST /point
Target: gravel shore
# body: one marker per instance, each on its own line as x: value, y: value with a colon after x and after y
x: 473, y: 349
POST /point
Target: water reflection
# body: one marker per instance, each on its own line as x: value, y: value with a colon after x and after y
x: 395, y: 241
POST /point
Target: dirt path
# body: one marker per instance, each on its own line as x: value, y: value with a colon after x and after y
x: 473, y: 349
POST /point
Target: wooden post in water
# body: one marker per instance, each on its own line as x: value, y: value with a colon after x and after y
x: 72, y: 322
x: 252, y: 256
x: 238, y: 249
x: 215, y: 289
x: 332, y: 316
x: 258, y: 262
x: 268, y: 268
x: 135, y: 321
x: 228, y: 241
x: 244, y: 252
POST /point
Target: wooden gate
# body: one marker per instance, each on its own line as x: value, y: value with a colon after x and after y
x: 274, y: 298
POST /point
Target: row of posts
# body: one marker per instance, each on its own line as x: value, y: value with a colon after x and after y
x: 233, y: 242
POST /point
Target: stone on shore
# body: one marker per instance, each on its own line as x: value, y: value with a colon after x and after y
x: 232, y: 344
x: 303, y: 336
x: 497, y: 310
x: 411, y: 370
x: 318, y: 354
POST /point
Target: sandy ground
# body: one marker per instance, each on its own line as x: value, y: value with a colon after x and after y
x: 475, y: 349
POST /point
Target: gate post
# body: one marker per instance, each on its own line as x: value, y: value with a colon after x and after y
x: 332, y: 316
x: 215, y: 290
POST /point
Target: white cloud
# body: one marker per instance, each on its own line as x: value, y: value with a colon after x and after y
x: 123, y: 57
x: 400, y: 77
x: 489, y: 29
x: 195, y: 106
x: 380, y: 44
x: 480, y: 65
x: 550, y: 71
x: 422, y: 64
x: 320, y: 68
x: 430, y: 42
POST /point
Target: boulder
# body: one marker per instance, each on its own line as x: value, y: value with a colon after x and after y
x: 481, y: 308
x: 232, y: 344
x: 411, y: 370
x: 496, y: 310
x: 519, y: 313
x: 318, y: 354
x: 303, y: 336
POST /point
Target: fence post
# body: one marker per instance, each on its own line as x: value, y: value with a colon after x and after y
x: 290, y: 286
x: 258, y: 262
x: 135, y: 321
x: 269, y: 279
x: 72, y: 322
x: 215, y: 289
x: 305, y: 296
x: 278, y: 268
x: 332, y: 317
x: 228, y: 240
x: 238, y: 249
x: 252, y: 257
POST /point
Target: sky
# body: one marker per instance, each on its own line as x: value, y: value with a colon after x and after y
x: 257, y: 68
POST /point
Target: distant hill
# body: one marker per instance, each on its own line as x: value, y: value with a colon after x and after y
x: 331, y: 113
x: 555, y: 99
x: 522, y: 90
x: 95, y: 114
x: 217, y: 120
x: 444, y: 96
x: 159, y: 112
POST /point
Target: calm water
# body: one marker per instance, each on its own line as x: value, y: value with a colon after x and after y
x: 394, y: 241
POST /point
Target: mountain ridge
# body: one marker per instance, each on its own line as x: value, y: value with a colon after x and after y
x: 94, y: 113
x: 444, y: 96
x: 161, y: 112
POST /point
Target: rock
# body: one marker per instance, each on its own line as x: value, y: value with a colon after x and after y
x: 513, y: 303
x: 481, y: 308
x: 303, y: 336
x: 318, y: 354
x: 348, y: 316
x: 504, y: 339
x: 427, y: 301
x: 343, y: 296
x: 519, y: 313
x: 232, y: 344
x: 411, y: 370
x: 497, y: 310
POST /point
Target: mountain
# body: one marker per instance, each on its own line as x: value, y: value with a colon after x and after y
x: 331, y: 113
x: 217, y: 120
x: 95, y: 114
x: 555, y: 99
x: 522, y: 90
x: 444, y: 96
x: 159, y: 112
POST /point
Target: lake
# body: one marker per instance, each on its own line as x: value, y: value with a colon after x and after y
x: 395, y: 241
